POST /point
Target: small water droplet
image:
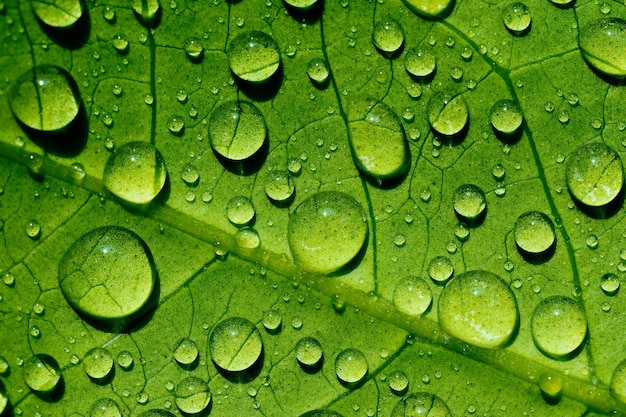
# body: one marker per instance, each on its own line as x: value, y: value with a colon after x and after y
x: 240, y: 211
x: 440, y: 269
x: 534, y: 233
x: 309, y: 352
x: 506, y: 117
x: 186, y: 352
x: 318, y: 71
x: 272, y: 320
x: 33, y: 229
x: 193, y: 49
x: 98, y: 363
x: 125, y: 360
x: 254, y: 56
x: 558, y: 326
x: 235, y: 344
x: 447, y: 115
x: 388, y: 36
x: 517, y: 19
x: 105, y: 407
x: 420, y: 62
x: 351, y: 366
x: 469, y: 203
x: 412, y: 296
x: 120, y: 43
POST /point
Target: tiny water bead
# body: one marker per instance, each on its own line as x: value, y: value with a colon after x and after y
x: 33, y: 229
x: 105, y: 407
x: 534, y: 233
x: 45, y: 98
x: 479, y: 308
x: 193, y: 49
x: 420, y: 62
x: 448, y: 115
x: 318, y: 70
x: 185, y: 352
x: 602, y: 43
x: 412, y: 296
x: 558, y: 326
x: 506, y: 117
x: 440, y: 269
x: 41, y: 373
x: 469, y: 203
x: 279, y: 187
x: 98, y: 363
x: 240, y: 211
x: 618, y: 382
x: 595, y: 175
x: 237, y: 130
x: 327, y: 231
x: 254, y: 56
x: 125, y: 360
x: 517, y: 19
x: 176, y: 125
x: 351, y: 366
x: 235, y: 344
x: 190, y: 174
x: 108, y: 274
x: 388, y: 36
x: 58, y: 13
x: 192, y: 395
x: 272, y: 320
x: 309, y: 352
x: 147, y: 11
x: 498, y: 172
x: 421, y: 404
x: 610, y: 283
x: 398, y: 382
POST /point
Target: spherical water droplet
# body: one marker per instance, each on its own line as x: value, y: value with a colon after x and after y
x: 109, y: 14
x: 602, y: 44
x: 448, y: 115
x: 594, y: 175
x: 98, y: 363
x: 193, y: 49
x: 398, y: 382
x: 420, y: 62
x: 421, y: 404
x: 558, y: 326
x: 309, y: 352
x: 41, y: 373
x: 479, y: 308
x: 440, y: 269
x: 388, y: 36
x: 240, y: 211
x: 237, y: 130
x: 120, y: 43
x: 45, y: 98
x: 461, y: 232
x: 190, y: 175
x: 272, y: 320
x: 506, y: 117
x: 551, y: 385
x: 412, y: 296
x: 192, y: 395
x: 517, y: 18
x: 279, y: 188
x: 105, y: 407
x: 431, y: 9
x: 534, y: 233
x: 498, y: 172
x: 147, y: 11
x: 318, y: 70
x: 235, y: 344
x: 327, y: 231
x: 466, y: 53
x: 254, y: 56
x: 351, y: 366
x: 469, y: 203
x: 176, y: 125
x: 247, y: 238
x: 4, y: 366
x: 58, y: 14
x: 592, y: 241
x: 125, y: 360
x: 610, y: 283
x: 33, y: 229
x: 186, y: 352
x: 108, y: 275
x: 294, y: 166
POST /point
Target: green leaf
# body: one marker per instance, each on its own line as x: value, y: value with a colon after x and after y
x: 136, y: 82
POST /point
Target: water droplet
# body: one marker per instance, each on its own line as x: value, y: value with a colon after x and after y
x: 193, y: 49
x: 414, y: 91
x: 108, y: 13
x: 432, y: 9
x: 58, y: 14
x: 377, y: 141
x: 558, y: 326
x: 125, y: 360
x: 254, y: 57
x: 351, y: 366
x: 147, y: 11
x: 517, y: 18
x: 595, y: 175
x: 421, y: 404
x: 479, y: 308
x: 237, y: 131
x: 506, y: 117
x: 388, y: 36
x: 176, y: 125
x: 247, y: 238
x: 41, y: 373
x: 148, y: 99
x: 398, y: 382
x: 602, y: 43
x: 120, y: 43
x: 45, y: 98
x: 461, y: 232
x: 240, y: 211
x: 98, y: 363
x: 272, y: 321
x: 279, y: 188
x: 466, y: 53
x: 190, y: 175
x: 412, y: 296
x: 550, y: 384
x: 534, y: 233
x: 609, y: 283
x: 108, y: 275
x: 318, y: 71
x: 235, y: 344
x: 309, y: 352
x: 33, y: 229
x: 327, y: 231
x: 448, y: 115
x: 186, y: 352
x: 192, y: 395
x: 420, y: 62
x: 469, y: 203
x: 440, y: 269
x: 8, y: 279
x: 563, y: 116
x: 105, y: 407
x: 498, y: 172
x: 4, y: 366
x: 592, y: 241
x: 618, y: 382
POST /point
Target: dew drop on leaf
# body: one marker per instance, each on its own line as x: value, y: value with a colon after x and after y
x: 479, y: 308
x: 602, y: 43
x: 351, y: 366
x: 98, y: 363
x: 498, y: 172
x: 108, y: 13
x: 318, y: 71
x: 469, y: 203
x: 45, y: 98
x: 240, y: 211
x: 558, y: 326
x: 398, y: 382
x: 176, y: 125
x: 4, y: 400
x: 420, y: 62
x: 147, y: 11
x: 447, y: 115
x: 610, y: 283
x: 309, y: 352
x: 185, y: 352
x: 193, y: 49
x: 272, y: 321
x: 237, y: 130
x: 4, y: 366
x: 506, y: 117
x: 192, y: 395
x: 551, y: 384
x: 125, y: 360
x: 412, y: 296
x: 254, y: 56
x: 431, y: 9
x: 247, y: 238
x: 120, y: 43
x: 388, y: 36
x: 517, y: 18
x: 327, y: 231
x: 279, y: 188
x: 41, y: 373
x: 190, y: 174
x: 33, y: 229
x: 235, y: 344
x: 534, y: 233
x: 105, y: 407
x: 58, y: 13
x: 440, y: 269
x: 618, y: 382
x: 421, y: 404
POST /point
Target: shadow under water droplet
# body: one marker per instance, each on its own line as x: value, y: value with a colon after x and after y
x: 308, y: 16
x: 104, y: 380
x: 74, y: 36
x: 452, y: 140
x: 261, y: 91
x: 247, y: 375
x: 538, y: 258
x: 603, y: 212
x: 57, y: 393
x: 246, y: 166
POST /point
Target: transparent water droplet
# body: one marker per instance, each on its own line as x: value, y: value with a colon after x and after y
x: 240, y: 211
x: 421, y: 404
x: 8, y: 279
x: 351, y: 366
x: 45, y: 98
x: 602, y: 43
x: 506, y: 117
x: 272, y: 321
x: 318, y: 71
x: 58, y: 14
x: 192, y: 395
x: 610, y: 283
x: 108, y: 13
x: 147, y: 11
x: 517, y: 18
x: 558, y: 326
x: 469, y: 203
x: 420, y: 62
x: 105, y: 407
x: 247, y: 238
x: 235, y: 344
x: 193, y: 49
x: 237, y: 131
x: 414, y: 91
x: 551, y: 384
x: 592, y: 241
x: 440, y: 269
x: 33, y: 229
x: 461, y: 232
x: 412, y: 296
x: 398, y: 382
x: 296, y: 323
x: 176, y: 125
x: 186, y: 352
x: 254, y: 57
x: 479, y: 308
x: 279, y: 188
x: 302, y: 5
x: 41, y: 373
x: 309, y: 352
x: 447, y: 115
x: 467, y: 53
x: 98, y: 363
x: 4, y: 366
x: 294, y: 166
x: 120, y: 43
x: 534, y: 233
x: 148, y: 99
x: 327, y: 231
x: 388, y: 36
x: 125, y: 360
x: 431, y: 9
x: 498, y: 172
x: 190, y: 175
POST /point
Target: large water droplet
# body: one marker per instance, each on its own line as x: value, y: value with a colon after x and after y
x: 108, y: 275
x: 534, y: 233
x: 420, y: 62
x: 558, y: 326
x: 279, y: 188
x: 506, y: 117
x: 351, y: 366
x: 309, y: 352
x: 235, y: 344
x: 41, y: 373
x: 45, y: 98
x: 327, y: 231
x: 318, y: 71
x: 447, y: 115
x: 412, y: 296
x: 186, y: 352
x: 388, y: 36
x: 237, y: 130
x: 105, y: 407
x: 192, y: 395
x: 595, y: 175
x: 602, y: 44
x: 98, y: 363
x: 421, y: 404
x: 58, y: 13
x: 147, y: 11
x: 469, y: 203
x: 254, y: 56
x: 517, y: 19
x: 377, y: 141
x: 479, y: 308
x: 610, y: 283
x: 432, y: 9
